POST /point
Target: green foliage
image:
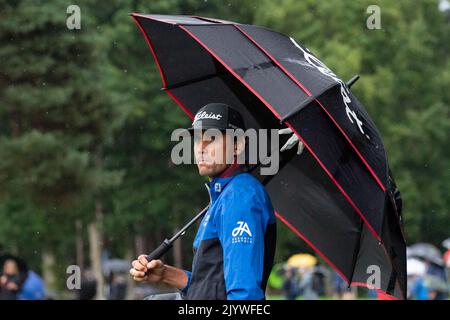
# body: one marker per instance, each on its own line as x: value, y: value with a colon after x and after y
x: 56, y: 119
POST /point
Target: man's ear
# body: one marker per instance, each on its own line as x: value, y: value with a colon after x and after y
x: 239, y: 146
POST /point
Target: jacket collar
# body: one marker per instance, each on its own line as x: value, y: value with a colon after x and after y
x: 218, y: 184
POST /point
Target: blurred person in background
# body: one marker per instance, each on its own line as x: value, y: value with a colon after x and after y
x: 117, y: 287
x: 290, y: 285
x: 436, y: 281
x: 339, y: 285
x: 33, y: 288
x: 11, y: 280
x: 88, y: 287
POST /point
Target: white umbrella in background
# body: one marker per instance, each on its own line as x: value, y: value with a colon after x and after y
x: 446, y: 243
x: 425, y: 251
x: 415, y: 267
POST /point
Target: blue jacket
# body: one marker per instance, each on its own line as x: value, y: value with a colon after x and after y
x: 235, y: 243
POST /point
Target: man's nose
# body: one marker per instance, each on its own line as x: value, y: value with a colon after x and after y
x: 203, y: 143
x: 201, y: 146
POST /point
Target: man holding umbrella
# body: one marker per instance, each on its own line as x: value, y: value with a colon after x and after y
x: 235, y: 243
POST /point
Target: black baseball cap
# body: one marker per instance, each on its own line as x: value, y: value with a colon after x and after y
x: 217, y: 116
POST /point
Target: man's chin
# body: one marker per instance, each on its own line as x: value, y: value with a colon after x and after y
x: 204, y: 170
x: 208, y: 170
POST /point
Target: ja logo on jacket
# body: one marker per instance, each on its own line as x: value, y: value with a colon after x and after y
x: 242, y: 233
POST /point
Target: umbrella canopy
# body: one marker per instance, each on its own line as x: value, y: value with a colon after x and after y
x: 338, y: 194
x: 302, y: 260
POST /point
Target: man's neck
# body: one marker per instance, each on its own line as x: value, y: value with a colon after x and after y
x: 227, y: 172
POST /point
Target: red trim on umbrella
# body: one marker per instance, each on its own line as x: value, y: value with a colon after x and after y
x: 295, y: 80
x: 152, y: 49
x: 185, y: 109
x: 298, y: 233
x: 147, y: 38
x: 381, y: 295
x: 336, y: 183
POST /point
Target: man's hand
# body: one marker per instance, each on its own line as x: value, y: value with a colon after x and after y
x: 143, y: 270
x: 3, y: 280
x: 157, y: 271
x: 12, y: 286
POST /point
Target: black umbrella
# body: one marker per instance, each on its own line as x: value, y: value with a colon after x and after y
x: 338, y: 195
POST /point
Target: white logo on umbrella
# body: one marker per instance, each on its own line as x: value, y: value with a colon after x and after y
x: 316, y: 63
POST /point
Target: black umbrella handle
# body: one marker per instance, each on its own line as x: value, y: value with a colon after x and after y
x: 160, y: 251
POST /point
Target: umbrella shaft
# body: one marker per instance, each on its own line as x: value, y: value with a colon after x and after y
x: 188, y: 225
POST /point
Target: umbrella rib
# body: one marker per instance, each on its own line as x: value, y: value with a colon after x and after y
x: 191, y: 81
x: 263, y: 65
x: 161, y: 72
x: 310, y: 99
x: 205, y: 19
x: 152, y: 49
x: 356, y: 252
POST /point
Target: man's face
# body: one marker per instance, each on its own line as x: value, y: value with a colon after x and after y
x: 210, y: 149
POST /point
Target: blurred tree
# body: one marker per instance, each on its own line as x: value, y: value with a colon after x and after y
x: 56, y: 119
